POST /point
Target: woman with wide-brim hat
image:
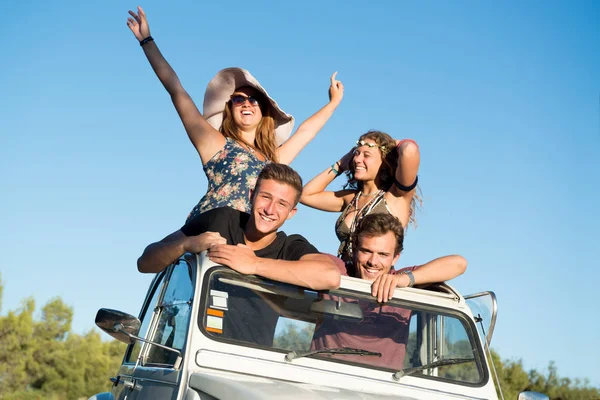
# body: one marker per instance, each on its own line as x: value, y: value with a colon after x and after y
x: 382, y: 178
x: 241, y: 128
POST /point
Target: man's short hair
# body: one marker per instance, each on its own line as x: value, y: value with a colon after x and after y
x: 283, y: 174
x: 378, y: 225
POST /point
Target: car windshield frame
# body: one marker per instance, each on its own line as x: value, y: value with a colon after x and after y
x: 294, y: 300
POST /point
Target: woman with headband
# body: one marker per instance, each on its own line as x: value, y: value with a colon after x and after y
x: 382, y: 178
x: 241, y: 129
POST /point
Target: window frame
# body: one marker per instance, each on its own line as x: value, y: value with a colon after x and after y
x: 159, y: 308
x: 160, y: 282
x: 467, y: 323
x: 156, y: 284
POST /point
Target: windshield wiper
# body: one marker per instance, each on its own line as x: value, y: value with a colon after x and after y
x: 438, y: 363
x: 341, y: 350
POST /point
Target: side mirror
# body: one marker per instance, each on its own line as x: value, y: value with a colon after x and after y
x: 337, y: 309
x: 125, y: 328
x: 532, y: 396
x: 120, y: 325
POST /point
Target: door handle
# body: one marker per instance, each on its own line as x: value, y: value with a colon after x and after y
x: 117, y: 380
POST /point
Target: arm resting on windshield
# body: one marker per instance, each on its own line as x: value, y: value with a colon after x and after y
x: 440, y: 270
x: 314, y: 271
x: 158, y: 256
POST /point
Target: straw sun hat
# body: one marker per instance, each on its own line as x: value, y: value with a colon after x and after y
x: 222, y: 86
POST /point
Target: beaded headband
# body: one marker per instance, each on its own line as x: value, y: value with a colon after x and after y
x: 384, y: 150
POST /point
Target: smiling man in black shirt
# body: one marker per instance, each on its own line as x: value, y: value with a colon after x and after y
x: 251, y: 243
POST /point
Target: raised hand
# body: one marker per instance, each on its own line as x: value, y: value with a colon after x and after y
x: 344, y: 163
x: 336, y: 90
x: 138, y: 24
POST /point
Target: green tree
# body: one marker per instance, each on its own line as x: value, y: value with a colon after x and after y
x: 16, y: 346
x: 512, y: 376
x: 514, y: 379
x: 45, y: 360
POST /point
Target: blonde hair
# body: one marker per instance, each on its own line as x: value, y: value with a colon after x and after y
x: 264, y: 141
x: 387, y: 171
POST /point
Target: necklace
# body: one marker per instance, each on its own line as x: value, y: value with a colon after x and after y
x: 369, y: 194
x: 346, y: 245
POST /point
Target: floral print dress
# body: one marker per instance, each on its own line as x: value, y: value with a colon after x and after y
x: 231, y: 173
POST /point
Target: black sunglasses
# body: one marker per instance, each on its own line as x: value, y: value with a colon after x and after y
x: 238, y: 100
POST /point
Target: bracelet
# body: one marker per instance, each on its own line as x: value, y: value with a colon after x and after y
x: 146, y: 40
x: 336, y: 171
x: 411, y: 278
x: 406, y: 188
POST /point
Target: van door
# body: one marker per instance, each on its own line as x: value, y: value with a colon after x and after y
x: 155, y: 375
x: 123, y: 383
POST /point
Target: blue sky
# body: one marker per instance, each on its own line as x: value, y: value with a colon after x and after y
x: 503, y: 99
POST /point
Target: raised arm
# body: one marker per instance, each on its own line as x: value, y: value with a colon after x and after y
x: 309, y: 128
x: 314, y: 194
x: 439, y: 270
x: 314, y: 271
x: 158, y: 256
x: 409, y: 159
x: 204, y: 137
x: 400, y: 196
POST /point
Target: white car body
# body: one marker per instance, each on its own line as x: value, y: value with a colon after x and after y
x: 215, y: 368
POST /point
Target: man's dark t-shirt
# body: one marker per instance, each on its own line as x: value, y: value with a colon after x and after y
x: 230, y: 223
x: 248, y: 317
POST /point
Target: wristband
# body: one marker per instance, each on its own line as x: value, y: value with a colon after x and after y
x: 146, y: 40
x: 406, y: 188
x: 337, y: 172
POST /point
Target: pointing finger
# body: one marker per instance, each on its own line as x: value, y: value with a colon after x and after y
x: 333, y: 78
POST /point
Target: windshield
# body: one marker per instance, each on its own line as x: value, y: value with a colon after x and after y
x: 341, y: 326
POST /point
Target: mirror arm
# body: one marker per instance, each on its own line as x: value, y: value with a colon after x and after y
x: 118, y: 327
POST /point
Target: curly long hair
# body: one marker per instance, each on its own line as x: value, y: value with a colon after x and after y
x: 265, y: 131
x: 385, y: 144
x: 387, y: 171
